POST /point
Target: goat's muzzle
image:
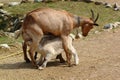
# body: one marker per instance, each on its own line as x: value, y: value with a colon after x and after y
x: 84, y: 35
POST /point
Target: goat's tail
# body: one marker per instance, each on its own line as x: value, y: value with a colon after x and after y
x: 17, y: 33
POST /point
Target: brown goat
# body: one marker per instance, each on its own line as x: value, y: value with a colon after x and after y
x: 57, y: 22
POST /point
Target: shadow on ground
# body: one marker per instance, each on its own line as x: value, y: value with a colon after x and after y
x: 23, y: 65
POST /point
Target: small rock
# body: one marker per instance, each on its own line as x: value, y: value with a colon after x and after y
x: 116, y: 5
x: 88, y: 1
x: 117, y: 23
x: 4, y: 12
x: 10, y: 35
x: 98, y: 3
x: 116, y: 9
x: 38, y: 0
x: 96, y: 32
x: 1, y: 5
x: 107, y: 5
x: 78, y: 36
x: 5, y: 46
x: 13, y: 3
x: 24, y: 1
x: 108, y: 26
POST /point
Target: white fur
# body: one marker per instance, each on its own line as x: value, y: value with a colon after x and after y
x: 53, y: 48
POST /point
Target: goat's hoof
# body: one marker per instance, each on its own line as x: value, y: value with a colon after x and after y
x: 40, y: 68
x: 62, y: 61
x: 75, y: 64
x: 27, y: 61
x: 69, y: 65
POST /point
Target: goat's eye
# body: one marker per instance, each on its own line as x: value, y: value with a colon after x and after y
x: 87, y: 25
x: 91, y: 24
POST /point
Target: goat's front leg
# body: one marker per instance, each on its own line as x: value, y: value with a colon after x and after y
x: 31, y: 53
x: 41, y: 60
x: 74, y: 53
x: 66, y: 48
x: 24, y: 47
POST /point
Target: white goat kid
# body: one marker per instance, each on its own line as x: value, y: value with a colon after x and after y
x: 48, y: 48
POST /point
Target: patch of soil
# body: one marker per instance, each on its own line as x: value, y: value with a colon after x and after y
x: 99, y: 56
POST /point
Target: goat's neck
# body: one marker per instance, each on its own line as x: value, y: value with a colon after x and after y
x: 77, y: 21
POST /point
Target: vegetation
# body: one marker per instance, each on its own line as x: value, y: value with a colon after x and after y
x: 107, y: 15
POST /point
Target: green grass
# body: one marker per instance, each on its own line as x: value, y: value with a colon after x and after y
x: 107, y: 15
x: 8, y: 40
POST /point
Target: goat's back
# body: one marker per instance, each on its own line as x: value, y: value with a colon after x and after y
x: 49, y: 21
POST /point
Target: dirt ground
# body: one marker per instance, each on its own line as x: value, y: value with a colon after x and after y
x: 99, y: 56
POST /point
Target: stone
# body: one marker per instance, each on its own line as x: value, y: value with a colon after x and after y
x: 78, y: 36
x: 13, y: 3
x: 4, y: 46
x: 108, y: 26
x: 4, y: 12
x: 116, y: 24
x: 116, y: 5
x: 38, y: 0
x: 1, y: 5
x: 98, y: 3
x: 88, y: 1
x: 107, y: 5
x: 116, y: 9
x: 96, y: 32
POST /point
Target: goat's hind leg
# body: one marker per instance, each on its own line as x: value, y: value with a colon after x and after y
x: 59, y: 56
x: 32, y: 51
x: 33, y: 48
x: 24, y: 47
x: 36, y: 38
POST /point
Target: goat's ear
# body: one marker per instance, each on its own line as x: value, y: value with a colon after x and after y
x: 92, y: 19
x: 96, y: 24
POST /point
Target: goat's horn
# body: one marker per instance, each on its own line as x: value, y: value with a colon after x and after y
x: 92, y: 14
x: 96, y: 18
